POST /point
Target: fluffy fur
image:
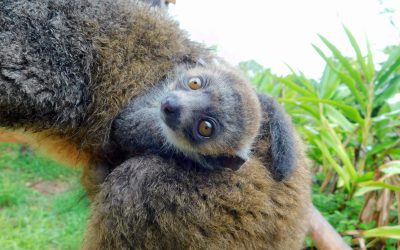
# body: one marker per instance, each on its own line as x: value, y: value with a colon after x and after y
x: 276, y: 142
x: 163, y: 202
x: 151, y: 202
x: 69, y: 67
x: 225, y: 99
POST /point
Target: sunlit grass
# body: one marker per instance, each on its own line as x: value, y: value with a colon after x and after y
x: 30, y: 218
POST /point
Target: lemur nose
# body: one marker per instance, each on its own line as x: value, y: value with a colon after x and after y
x: 169, y: 105
x: 171, y: 110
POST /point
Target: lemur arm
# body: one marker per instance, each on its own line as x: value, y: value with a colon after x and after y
x: 137, y: 128
x: 134, y: 131
x: 276, y: 143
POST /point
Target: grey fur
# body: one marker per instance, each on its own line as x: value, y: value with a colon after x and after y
x: 137, y: 130
x: 52, y: 74
x: 69, y: 67
x: 53, y: 78
x: 226, y: 98
x: 45, y: 65
x: 277, y: 128
x: 159, y: 3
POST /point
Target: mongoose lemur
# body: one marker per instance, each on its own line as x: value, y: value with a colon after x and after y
x: 68, y: 68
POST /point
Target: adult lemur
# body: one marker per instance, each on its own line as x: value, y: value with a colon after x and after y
x: 69, y: 68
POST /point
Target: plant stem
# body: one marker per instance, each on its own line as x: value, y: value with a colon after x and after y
x: 366, y: 129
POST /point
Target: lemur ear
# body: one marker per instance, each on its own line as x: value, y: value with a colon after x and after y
x: 276, y: 128
x: 232, y: 162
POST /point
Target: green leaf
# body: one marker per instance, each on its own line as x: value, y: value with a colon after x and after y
x: 379, y: 184
x: 390, y: 90
x: 366, y: 177
x: 303, y: 80
x: 387, y: 116
x: 359, y: 55
x: 340, y: 150
x: 393, y: 56
x: 295, y: 86
x: 363, y: 190
x: 349, y: 111
x: 346, y: 64
x: 350, y: 83
x: 390, y: 125
x: 303, y: 106
x: 392, y: 232
x: 371, y: 66
x: 387, y: 70
x: 328, y: 83
x: 391, y: 168
x: 376, y: 149
x: 340, y: 171
x: 336, y: 117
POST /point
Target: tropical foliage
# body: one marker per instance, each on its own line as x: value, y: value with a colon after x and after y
x: 350, y: 121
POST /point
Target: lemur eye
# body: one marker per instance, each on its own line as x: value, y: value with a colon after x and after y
x: 205, y: 128
x: 195, y: 83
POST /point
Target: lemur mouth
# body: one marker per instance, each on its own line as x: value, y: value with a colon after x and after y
x: 231, y: 162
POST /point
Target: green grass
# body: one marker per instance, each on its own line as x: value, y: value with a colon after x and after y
x: 30, y: 219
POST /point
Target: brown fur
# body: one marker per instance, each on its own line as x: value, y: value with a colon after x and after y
x: 122, y: 48
x: 150, y: 202
x: 155, y: 203
x: 126, y: 47
x: 134, y: 56
x: 56, y: 147
x: 106, y: 53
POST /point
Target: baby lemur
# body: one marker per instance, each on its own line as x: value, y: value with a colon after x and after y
x: 209, y: 114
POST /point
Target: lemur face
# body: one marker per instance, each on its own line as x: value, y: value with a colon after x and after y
x: 208, y: 112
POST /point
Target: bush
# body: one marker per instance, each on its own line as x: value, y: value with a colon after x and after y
x: 351, y: 125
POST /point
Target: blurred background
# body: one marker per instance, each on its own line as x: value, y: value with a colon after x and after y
x: 334, y: 66
x: 276, y: 33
